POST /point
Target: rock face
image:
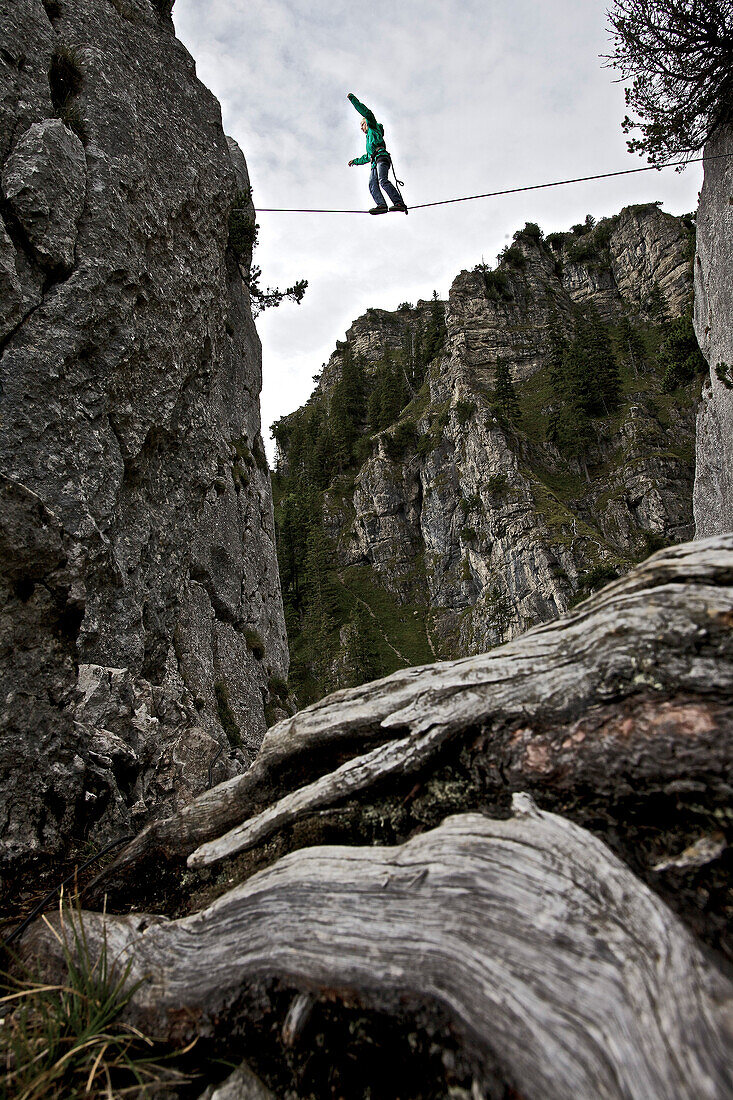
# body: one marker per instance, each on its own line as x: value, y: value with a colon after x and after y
x: 713, y: 500
x: 142, y: 623
x: 483, y: 527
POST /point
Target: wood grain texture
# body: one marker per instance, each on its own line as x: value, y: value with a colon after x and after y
x: 638, y: 679
x: 541, y: 945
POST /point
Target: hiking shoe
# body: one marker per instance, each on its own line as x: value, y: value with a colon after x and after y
x: 379, y: 209
x: 400, y: 206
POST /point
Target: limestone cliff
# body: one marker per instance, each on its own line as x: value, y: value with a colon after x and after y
x: 142, y: 627
x: 461, y: 523
x: 713, y: 500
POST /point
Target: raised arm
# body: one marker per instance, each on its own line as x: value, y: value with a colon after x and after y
x: 363, y: 110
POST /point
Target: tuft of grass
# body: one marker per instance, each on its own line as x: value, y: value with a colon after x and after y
x: 65, y: 81
x: 254, y: 643
x: 125, y: 11
x: 279, y: 687
x: 65, y: 76
x: 67, y: 1041
x: 260, y: 456
x: 226, y: 714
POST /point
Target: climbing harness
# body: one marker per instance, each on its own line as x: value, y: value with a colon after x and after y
x: 508, y: 191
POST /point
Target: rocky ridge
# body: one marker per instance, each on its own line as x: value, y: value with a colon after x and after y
x: 478, y: 527
x: 142, y: 628
x: 713, y: 500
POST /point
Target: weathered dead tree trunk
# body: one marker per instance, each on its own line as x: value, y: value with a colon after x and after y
x: 631, y: 693
x: 547, y: 953
x: 542, y: 947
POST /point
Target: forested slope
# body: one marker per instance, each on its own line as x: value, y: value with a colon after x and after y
x: 466, y: 469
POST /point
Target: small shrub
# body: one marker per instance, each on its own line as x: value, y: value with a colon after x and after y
x: 604, y: 231
x: 254, y: 643
x: 400, y: 440
x: 597, y: 577
x: 240, y: 476
x: 723, y: 373
x: 426, y: 443
x: 464, y: 410
x: 555, y: 241
x: 242, y: 226
x: 471, y: 503
x: 582, y: 251
x: 497, y: 285
x: 497, y: 485
x: 531, y: 232
x: 279, y: 687
x: 653, y: 541
x: 243, y: 452
x: 513, y: 257
x: 468, y: 534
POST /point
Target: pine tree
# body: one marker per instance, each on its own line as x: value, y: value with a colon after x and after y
x: 435, y: 332
x: 556, y: 348
x: 656, y: 306
x: 346, y: 414
x: 394, y: 392
x: 320, y: 608
x: 321, y: 457
x: 406, y: 360
x: 680, y: 354
x: 569, y: 427
x: 603, y: 374
x: 374, y: 404
x: 506, y: 405
x: 362, y: 658
x: 631, y: 345
x: 413, y: 348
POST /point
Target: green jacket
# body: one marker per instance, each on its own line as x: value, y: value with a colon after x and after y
x: 375, y: 145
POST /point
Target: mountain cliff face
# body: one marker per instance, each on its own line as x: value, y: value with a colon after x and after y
x: 142, y: 627
x: 713, y: 500
x: 467, y: 469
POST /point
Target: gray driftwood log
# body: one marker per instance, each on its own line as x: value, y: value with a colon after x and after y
x: 539, y: 943
x: 635, y: 685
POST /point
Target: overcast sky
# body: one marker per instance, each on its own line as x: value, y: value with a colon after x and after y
x: 475, y: 96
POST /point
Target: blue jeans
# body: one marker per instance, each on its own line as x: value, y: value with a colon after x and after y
x: 380, y: 168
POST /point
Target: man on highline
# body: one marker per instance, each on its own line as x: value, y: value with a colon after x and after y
x: 380, y: 161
